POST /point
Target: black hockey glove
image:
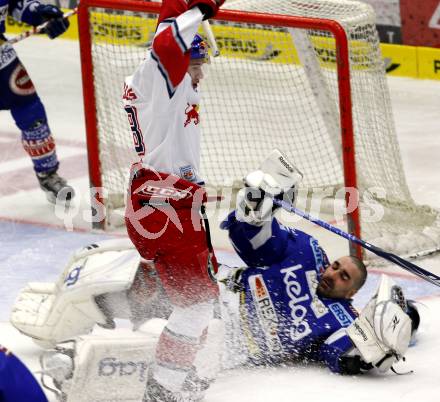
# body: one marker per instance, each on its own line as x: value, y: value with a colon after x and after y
x: 56, y: 25
x: 351, y: 365
x: 209, y: 8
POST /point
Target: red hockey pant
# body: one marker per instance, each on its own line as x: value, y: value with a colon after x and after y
x: 181, y: 255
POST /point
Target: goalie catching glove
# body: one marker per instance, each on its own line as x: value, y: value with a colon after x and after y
x: 276, y: 178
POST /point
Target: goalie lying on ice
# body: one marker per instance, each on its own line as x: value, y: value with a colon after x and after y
x: 289, y: 303
x: 105, y: 281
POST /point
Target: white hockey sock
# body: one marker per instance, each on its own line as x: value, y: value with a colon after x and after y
x: 179, y: 343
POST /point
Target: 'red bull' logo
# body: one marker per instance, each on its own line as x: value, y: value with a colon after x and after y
x: 129, y: 93
x: 192, y: 113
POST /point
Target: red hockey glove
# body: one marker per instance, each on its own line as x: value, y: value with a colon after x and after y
x: 171, y: 9
x: 209, y: 8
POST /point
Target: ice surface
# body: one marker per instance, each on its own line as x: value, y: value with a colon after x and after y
x: 36, y: 239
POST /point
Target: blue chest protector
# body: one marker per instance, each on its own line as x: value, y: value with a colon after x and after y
x: 286, y: 319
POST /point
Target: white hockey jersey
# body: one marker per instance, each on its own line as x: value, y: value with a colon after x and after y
x: 162, y: 106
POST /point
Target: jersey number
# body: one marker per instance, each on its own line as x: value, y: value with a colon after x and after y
x: 138, y: 138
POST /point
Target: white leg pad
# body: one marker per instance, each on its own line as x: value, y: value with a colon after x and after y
x: 104, y: 368
x: 53, y: 312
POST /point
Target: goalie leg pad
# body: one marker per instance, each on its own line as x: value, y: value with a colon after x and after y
x: 69, y: 309
x: 99, y: 368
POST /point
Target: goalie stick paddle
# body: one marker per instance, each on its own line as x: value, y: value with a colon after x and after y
x: 407, y: 265
x: 36, y: 30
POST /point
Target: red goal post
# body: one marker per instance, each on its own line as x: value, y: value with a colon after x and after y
x: 90, y: 106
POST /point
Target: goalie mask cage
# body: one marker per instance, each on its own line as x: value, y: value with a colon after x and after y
x: 306, y: 77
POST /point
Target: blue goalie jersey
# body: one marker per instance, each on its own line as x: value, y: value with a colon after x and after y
x: 285, y: 318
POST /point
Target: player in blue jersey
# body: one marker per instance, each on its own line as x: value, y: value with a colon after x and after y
x: 17, y: 384
x: 18, y: 95
x: 290, y: 302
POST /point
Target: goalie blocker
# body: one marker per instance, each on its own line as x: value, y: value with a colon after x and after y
x: 383, y: 331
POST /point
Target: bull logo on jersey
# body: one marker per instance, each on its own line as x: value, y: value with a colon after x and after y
x: 192, y: 114
x: 129, y: 94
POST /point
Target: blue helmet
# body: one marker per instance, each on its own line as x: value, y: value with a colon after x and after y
x: 199, y: 49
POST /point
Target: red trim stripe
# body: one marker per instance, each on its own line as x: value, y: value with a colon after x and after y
x: 175, y: 351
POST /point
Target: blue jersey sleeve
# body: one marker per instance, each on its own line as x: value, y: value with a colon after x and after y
x: 258, y: 245
x: 273, y: 243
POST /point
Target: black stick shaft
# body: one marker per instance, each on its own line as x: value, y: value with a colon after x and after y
x: 407, y: 265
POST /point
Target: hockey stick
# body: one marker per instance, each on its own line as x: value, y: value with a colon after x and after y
x: 36, y: 30
x: 423, y: 253
x: 211, y: 38
x: 418, y: 255
x: 407, y: 265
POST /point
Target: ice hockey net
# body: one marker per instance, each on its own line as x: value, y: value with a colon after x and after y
x: 283, y: 80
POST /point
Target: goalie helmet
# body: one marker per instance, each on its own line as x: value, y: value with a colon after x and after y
x: 199, y: 49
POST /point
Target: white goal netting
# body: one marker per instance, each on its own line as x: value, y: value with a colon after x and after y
x: 274, y: 87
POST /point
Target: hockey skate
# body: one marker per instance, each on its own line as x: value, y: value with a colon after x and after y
x: 55, y: 187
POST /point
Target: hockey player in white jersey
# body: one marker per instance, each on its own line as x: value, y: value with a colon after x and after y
x: 162, y: 97
x: 166, y: 197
